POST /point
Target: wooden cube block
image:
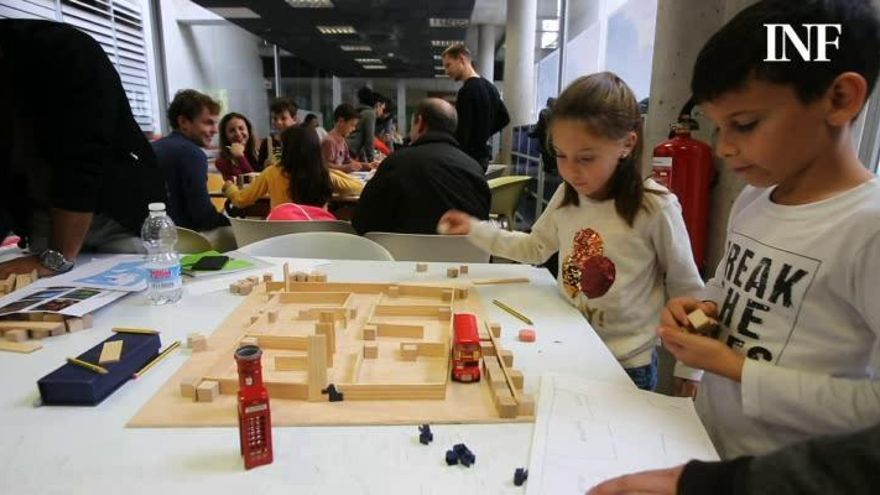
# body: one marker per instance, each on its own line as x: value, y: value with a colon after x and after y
x: 272, y: 315
x: 245, y: 289
x: 463, y: 269
x: 207, y: 391
x: 446, y: 295
x: 495, y: 328
x: 197, y: 342
x: 487, y: 348
x: 267, y: 277
x: 111, y: 352
x: 421, y: 267
x: 234, y: 288
x: 462, y: 292
x: 53, y: 317
x: 319, y: 276
x: 61, y: 329
x: 248, y: 341
x: 254, y: 318
x: 701, y: 323
x: 254, y: 280
x: 507, y: 407
x: 526, y: 335
x: 516, y: 376
x: 506, y: 357
x: 326, y: 317
x: 300, y: 277
x: 452, y: 272
x: 74, y: 324
x: 393, y: 291
x: 526, y: 405
x: 35, y: 316
x: 371, y: 350
x: 39, y: 333
x: 16, y: 335
x: 188, y: 387
x: 369, y: 332
x: 88, y: 321
x: 408, y: 352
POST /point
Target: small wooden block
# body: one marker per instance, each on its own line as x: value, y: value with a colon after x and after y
x: 444, y: 314
x: 462, y: 293
x: 60, y: 330
x: 516, y: 377
x: 488, y: 349
x: 39, y: 333
x: 53, y: 317
x: 22, y: 281
x: 369, y: 332
x: 495, y: 328
x: 245, y: 289
x: 254, y: 318
x: 463, y: 269
x: 326, y: 317
x: 188, y: 387
x: 319, y: 277
x: 300, y: 277
x: 446, y: 296
x: 371, y: 350
x: 526, y: 405
x: 421, y: 267
x: 197, y: 342
x: 393, y: 291
x: 408, y: 352
x: 506, y: 357
x: 74, y: 324
x: 88, y: 321
x: 526, y: 335
x: 272, y: 315
x: 507, y: 407
x: 20, y: 347
x: 234, y: 288
x: 16, y: 335
x: 267, y: 277
x: 452, y: 272
x: 111, y: 352
x: 248, y: 341
x: 254, y: 280
x: 701, y: 323
x: 35, y: 316
x: 207, y: 391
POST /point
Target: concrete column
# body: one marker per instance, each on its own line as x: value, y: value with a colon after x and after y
x: 519, y: 68
x: 486, y: 57
x: 336, y: 85
x: 316, y: 94
x: 402, y: 124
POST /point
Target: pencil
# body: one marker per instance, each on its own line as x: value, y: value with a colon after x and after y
x: 162, y: 355
x: 512, y: 311
x: 87, y: 365
x: 147, y: 331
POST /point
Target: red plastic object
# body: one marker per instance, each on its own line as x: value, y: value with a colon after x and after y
x: 526, y: 335
x: 685, y: 166
x: 254, y: 421
x: 466, y: 350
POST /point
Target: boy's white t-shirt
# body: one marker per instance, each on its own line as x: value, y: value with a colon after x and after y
x: 797, y: 293
x: 616, y: 275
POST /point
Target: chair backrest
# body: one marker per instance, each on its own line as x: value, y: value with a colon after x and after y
x: 495, y: 170
x: 506, y: 192
x: 321, y: 245
x: 248, y: 230
x: 190, y: 241
x: 421, y: 247
x: 215, y: 183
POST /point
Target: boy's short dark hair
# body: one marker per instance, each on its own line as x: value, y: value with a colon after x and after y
x: 737, y: 51
x: 310, y: 117
x: 283, y: 104
x: 346, y: 112
x: 457, y: 51
x: 189, y: 103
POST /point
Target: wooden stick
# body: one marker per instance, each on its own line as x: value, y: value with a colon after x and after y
x: 87, y: 365
x: 146, y: 331
x: 497, y: 281
x: 512, y: 311
x: 162, y: 355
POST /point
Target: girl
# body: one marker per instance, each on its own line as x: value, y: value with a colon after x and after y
x: 620, y: 239
x: 301, y: 177
x: 237, y: 147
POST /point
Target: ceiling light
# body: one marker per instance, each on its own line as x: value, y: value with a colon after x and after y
x: 368, y: 60
x: 448, y: 22
x: 356, y: 48
x: 375, y: 67
x: 441, y: 76
x: 438, y: 68
x: 444, y: 43
x: 438, y: 57
x: 235, y: 13
x: 310, y: 4
x: 334, y: 30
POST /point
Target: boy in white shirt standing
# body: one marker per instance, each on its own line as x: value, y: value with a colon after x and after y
x: 795, y: 294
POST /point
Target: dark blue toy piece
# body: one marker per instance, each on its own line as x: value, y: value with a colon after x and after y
x: 451, y: 458
x: 520, y: 476
x: 464, y: 454
x: 73, y: 385
x: 426, y: 436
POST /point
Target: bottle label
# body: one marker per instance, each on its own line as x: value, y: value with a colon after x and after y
x: 165, y: 278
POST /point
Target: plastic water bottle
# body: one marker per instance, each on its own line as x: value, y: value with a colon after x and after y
x: 159, y: 235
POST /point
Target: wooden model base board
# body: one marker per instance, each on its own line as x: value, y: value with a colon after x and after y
x: 300, y: 313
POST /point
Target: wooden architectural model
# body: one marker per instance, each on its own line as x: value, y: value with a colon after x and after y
x: 37, y: 326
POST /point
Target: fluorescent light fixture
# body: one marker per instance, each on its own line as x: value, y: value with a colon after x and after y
x: 375, y: 67
x: 444, y: 43
x: 448, y: 22
x: 439, y: 68
x: 355, y: 48
x: 334, y: 30
x: 368, y: 60
x: 438, y: 57
x: 310, y: 4
x: 235, y: 13
x: 441, y: 76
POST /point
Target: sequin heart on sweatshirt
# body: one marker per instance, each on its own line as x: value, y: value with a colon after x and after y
x: 586, y: 269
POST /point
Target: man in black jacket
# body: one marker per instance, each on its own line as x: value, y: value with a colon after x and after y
x: 78, y: 171
x: 415, y: 186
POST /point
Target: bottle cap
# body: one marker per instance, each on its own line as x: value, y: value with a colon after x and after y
x: 157, y: 206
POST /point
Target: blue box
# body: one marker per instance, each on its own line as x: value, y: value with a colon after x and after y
x: 73, y: 385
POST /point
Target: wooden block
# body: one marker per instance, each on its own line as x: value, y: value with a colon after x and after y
x: 463, y: 269
x: 31, y: 325
x: 188, y: 387
x: 319, y: 276
x: 74, y: 324
x: 408, y: 352
x: 507, y: 407
x: 300, y: 277
x: 16, y: 335
x: 111, y: 352
x: 254, y: 318
x: 34, y: 316
x: 495, y: 328
x: 39, y: 333
x: 234, y: 287
x: 254, y: 280
x: 526, y: 405
x: 369, y: 332
x: 400, y: 331
x: 487, y: 348
x: 88, y: 321
x: 317, y: 372
x: 421, y: 267
x: 267, y: 277
x: 20, y: 347
x: 248, y: 341
x: 60, y: 330
x: 452, y: 272
x: 516, y: 377
x: 462, y: 293
x: 53, y: 317
x: 207, y: 391
x: 393, y: 291
x: 701, y: 323
x: 507, y: 357
x: 526, y: 335
x: 272, y: 315
x: 446, y: 296
x: 22, y: 281
x: 326, y: 317
x: 445, y: 314
x: 197, y: 342
x: 291, y: 363
x: 245, y: 289
x: 371, y: 350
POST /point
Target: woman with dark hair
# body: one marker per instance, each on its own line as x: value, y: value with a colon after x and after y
x: 300, y: 177
x: 238, y: 152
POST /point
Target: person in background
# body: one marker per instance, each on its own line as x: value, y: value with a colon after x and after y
x: 237, y: 147
x: 360, y: 140
x: 311, y: 121
x: 193, y: 117
x: 539, y: 133
x: 622, y: 241
x: 481, y: 113
x: 283, y: 111
x: 416, y: 185
x: 87, y: 188
x: 335, y: 148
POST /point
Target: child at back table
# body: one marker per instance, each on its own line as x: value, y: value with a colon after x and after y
x: 622, y: 241
x: 795, y: 293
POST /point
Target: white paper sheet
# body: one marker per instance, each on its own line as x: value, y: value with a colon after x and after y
x: 588, y: 431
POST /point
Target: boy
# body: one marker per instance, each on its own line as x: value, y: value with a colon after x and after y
x: 283, y: 112
x: 335, y: 148
x: 795, y: 290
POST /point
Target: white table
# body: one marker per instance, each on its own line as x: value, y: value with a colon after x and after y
x: 88, y: 449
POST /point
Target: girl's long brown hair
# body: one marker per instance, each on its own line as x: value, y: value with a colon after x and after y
x: 605, y: 104
x: 302, y: 164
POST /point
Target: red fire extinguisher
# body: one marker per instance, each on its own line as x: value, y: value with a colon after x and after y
x: 685, y: 166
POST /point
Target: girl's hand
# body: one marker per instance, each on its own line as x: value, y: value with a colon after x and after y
x: 675, y: 313
x: 237, y: 149
x: 703, y: 353
x: 454, y: 222
x: 226, y: 186
x: 658, y: 482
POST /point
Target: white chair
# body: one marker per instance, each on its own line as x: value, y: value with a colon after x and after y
x: 321, y: 245
x: 248, y: 230
x: 190, y: 241
x: 421, y: 247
